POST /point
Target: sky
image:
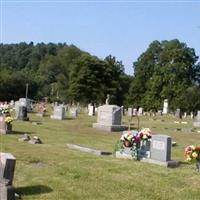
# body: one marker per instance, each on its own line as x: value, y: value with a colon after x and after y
x: 123, y: 29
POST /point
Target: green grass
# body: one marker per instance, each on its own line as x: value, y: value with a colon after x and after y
x: 67, y: 174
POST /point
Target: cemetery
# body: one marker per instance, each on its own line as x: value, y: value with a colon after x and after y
x: 75, y: 159
x: 121, y: 122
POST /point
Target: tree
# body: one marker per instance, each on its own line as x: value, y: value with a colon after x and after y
x: 165, y: 70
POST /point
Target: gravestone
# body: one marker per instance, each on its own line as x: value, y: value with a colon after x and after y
x: 140, y: 111
x: 130, y: 112
x: 91, y: 110
x: 74, y: 112
x: 165, y: 106
x: 7, y: 168
x: 178, y: 113
x: 134, y: 111
x: 160, y: 151
x: 109, y: 118
x: 25, y: 102
x: 159, y: 113
x: 144, y: 151
x: 21, y: 113
x: 5, y: 128
x: 59, y: 113
x: 197, y: 122
x: 192, y: 115
x: 16, y: 109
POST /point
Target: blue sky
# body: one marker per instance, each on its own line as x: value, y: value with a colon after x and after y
x: 121, y: 28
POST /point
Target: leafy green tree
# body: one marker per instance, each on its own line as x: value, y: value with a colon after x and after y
x: 165, y: 70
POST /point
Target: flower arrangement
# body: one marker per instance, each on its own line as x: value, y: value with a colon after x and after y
x: 4, y: 109
x: 129, y: 138
x: 8, y: 120
x: 192, y: 153
x: 134, y: 137
x: 134, y: 140
x: 145, y: 134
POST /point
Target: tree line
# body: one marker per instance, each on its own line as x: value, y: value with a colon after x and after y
x: 65, y: 73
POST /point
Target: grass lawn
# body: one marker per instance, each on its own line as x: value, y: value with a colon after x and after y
x: 65, y: 174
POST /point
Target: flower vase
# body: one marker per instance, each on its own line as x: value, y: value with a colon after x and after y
x: 8, y: 127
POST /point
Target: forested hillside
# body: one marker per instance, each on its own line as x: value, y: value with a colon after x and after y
x: 61, y: 72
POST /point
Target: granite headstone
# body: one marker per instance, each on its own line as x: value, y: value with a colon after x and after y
x: 109, y: 117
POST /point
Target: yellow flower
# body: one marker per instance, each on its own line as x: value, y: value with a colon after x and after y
x: 194, y: 155
x: 8, y: 119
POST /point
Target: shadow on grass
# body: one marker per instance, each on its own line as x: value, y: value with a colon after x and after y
x: 69, y: 118
x: 33, y: 190
x: 21, y: 132
x: 182, y: 163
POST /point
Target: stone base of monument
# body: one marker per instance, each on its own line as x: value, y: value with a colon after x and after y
x: 171, y: 163
x: 123, y: 155
x: 110, y: 128
x: 196, y: 124
x: 6, y: 128
x: 7, y: 192
x: 56, y: 117
x: 143, y: 154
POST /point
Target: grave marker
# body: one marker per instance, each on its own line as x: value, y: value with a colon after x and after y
x: 197, y: 122
x: 109, y: 118
x: 59, y: 112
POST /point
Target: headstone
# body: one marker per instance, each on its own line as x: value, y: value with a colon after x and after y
x: 161, y: 148
x: 144, y: 151
x: 5, y: 128
x: 91, y: 110
x: 24, y: 138
x: 134, y: 111
x: 7, y: 168
x: 25, y: 102
x: 140, y: 111
x: 16, y: 109
x: 74, y: 112
x: 22, y: 113
x: 178, y: 113
x: 197, y: 122
x: 191, y: 115
x: 35, y: 140
x: 59, y: 112
x: 130, y: 112
x: 109, y: 118
x: 7, y: 162
x: 165, y: 106
x: 160, y: 151
x: 160, y: 113
x: 185, y: 115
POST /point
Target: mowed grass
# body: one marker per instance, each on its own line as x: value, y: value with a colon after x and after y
x: 51, y: 171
